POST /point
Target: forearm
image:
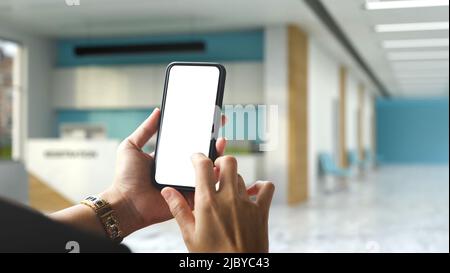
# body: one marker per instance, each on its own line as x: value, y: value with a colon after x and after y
x: 85, y: 218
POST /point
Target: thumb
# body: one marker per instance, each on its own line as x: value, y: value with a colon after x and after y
x: 180, y: 210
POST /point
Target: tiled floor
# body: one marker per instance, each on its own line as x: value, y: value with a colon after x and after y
x: 393, y: 209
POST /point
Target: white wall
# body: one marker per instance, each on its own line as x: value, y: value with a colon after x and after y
x: 107, y: 87
x: 137, y: 86
x: 36, y: 113
x: 244, y: 83
x: 14, y: 181
x: 276, y: 92
x: 368, y: 120
x: 323, y: 92
x: 351, y: 113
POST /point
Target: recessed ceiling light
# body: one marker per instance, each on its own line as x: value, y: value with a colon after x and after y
x: 412, y: 27
x: 418, y: 55
x: 423, y: 81
x: 422, y: 86
x: 375, y: 5
x: 423, y: 75
x: 415, y: 43
x: 417, y: 86
x: 421, y: 65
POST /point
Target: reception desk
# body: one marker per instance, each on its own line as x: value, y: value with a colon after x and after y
x: 77, y: 168
x: 72, y: 168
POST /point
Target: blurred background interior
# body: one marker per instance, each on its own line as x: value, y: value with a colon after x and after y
x: 361, y: 162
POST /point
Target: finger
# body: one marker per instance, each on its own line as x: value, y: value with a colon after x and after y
x: 180, y: 210
x: 221, y: 143
x: 223, y: 120
x: 255, y: 188
x: 264, y: 193
x: 241, y: 187
x: 228, y: 178
x: 146, y: 130
x: 204, y: 173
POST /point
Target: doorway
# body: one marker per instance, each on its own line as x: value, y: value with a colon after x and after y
x: 10, y: 101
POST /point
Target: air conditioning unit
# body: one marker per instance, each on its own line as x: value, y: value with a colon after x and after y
x: 141, y: 48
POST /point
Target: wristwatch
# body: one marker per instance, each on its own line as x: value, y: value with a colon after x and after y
x: 106, y: 215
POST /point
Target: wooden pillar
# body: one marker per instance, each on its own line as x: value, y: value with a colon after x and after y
x: 361, y: 121
x: 297, y: 115
x: 342, y: 149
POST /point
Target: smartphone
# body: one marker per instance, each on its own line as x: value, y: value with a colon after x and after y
x: 190, y: 121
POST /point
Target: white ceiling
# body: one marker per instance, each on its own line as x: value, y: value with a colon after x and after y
x: 55, y: 19
x: 424, y: 77
x: 118, y: 17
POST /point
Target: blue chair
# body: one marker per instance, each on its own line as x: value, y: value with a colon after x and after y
x: 353, y: 159
x: 368, y: 158
x: 329, y: 167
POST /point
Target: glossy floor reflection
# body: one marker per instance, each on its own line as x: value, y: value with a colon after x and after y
x: 393, y: 209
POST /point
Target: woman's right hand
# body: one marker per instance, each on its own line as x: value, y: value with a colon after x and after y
x: 223, y: 220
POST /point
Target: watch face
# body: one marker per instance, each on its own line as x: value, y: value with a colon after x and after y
x: 99, y: 203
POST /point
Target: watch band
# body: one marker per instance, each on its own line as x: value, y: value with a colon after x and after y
x: 106, y: 215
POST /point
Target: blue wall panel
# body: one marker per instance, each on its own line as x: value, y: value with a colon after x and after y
x: 413, y: 131
x: 118, y: 123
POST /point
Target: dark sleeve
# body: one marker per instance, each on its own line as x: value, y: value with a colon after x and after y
x: 24, y: 230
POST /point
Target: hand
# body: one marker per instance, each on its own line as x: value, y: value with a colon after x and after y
x: 137, y: 202
x: 225, y: 220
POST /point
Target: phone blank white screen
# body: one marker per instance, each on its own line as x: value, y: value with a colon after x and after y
x: 186, y: 122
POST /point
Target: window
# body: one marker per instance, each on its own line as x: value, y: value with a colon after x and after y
x: 9, y: 90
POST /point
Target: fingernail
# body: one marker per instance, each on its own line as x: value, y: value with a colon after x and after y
x: 167, y: 194
x: 194, y: 155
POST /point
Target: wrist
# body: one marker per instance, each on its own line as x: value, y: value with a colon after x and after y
x: 129, y: 220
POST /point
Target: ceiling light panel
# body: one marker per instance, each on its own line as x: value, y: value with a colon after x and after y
x: 420, y: 65
x: 424, y: 81
x: 436, y: 75
x: 420, y: 85
x: 427, y: 26
x: 418, y: 55
x: 377, y: 5
x: 415, y: 43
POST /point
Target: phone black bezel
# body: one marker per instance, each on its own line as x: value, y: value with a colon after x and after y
x: 219, y: 99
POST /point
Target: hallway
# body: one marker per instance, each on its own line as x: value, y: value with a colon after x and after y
x: 399, y: 209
